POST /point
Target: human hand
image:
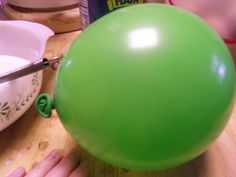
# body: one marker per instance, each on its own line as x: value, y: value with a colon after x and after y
x: 54, y: 165
x: 221, y: 15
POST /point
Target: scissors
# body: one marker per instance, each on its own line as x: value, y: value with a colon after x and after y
x: 30, y: 68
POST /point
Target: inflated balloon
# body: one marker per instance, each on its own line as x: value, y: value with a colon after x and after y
x: 145, y: 87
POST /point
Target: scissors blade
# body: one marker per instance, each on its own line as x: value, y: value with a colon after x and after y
x: 30, y: 68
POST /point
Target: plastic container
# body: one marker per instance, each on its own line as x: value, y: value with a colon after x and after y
x: 91, y: 10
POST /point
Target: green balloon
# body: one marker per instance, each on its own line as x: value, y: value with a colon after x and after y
x: 146, y: 87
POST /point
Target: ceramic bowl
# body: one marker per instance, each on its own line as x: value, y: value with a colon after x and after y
x: 25, y: 40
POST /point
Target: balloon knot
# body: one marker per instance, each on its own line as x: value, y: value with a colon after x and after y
x: 44, y: 105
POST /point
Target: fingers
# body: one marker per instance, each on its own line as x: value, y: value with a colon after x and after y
x: 55, y: 166
x: 43, y: 167
x: 19, y: 172
x: 66, y: 165
x: 80, y: 170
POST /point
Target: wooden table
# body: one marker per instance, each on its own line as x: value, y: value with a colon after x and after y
x: 30, y: 138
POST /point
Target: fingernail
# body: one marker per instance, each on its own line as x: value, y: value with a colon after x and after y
x: 53, y: 155
x: 18, y: 172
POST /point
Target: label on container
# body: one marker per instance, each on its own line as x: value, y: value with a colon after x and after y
x: 91, y: 10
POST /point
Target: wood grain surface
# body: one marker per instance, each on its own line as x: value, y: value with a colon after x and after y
x: 30, y: 138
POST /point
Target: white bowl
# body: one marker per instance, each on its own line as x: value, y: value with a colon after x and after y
x: 25, y: 40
